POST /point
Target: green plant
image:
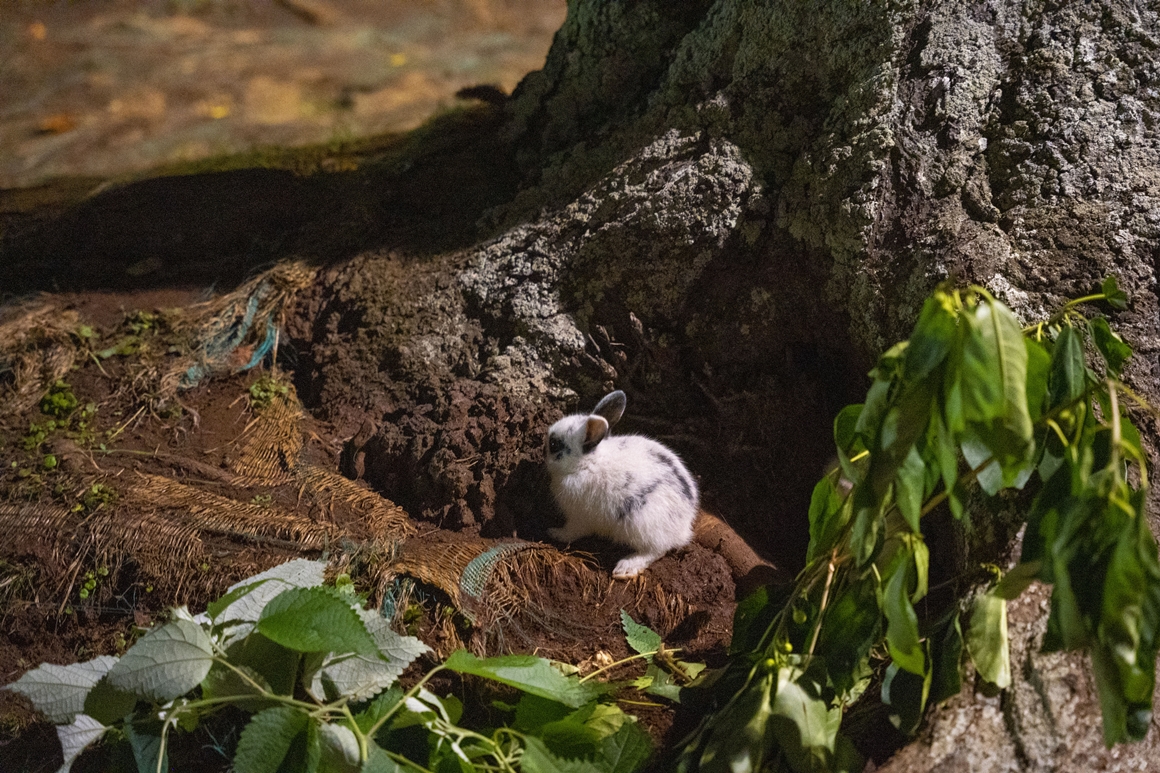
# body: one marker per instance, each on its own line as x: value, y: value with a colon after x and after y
x: 95, y: 497
x: 59, y: 401
x: 318, y: 676
x: 265, y: 390
x: 971, y: 399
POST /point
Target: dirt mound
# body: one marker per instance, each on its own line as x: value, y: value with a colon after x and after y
x: 157, y: 460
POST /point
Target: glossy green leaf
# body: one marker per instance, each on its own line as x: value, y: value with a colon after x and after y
x: 906, y: 694
x: 1038, y: 370
x: 987, y: 639
x: 827, y: 515
x: 1015, y: 581
x: 744, y: 736
x: 901, y: 621
x: 528, y: 673
x: 932, y: 337
x: 1115, y: 297
x: 1110, y: 345
x: 994, y: 382
x: 853, y: 627
x: 802, y: 722
x: 315, y: 619
x: 946, y: 656
x: 845, y: 426
x: 910, y: 489
x: 1068, y: 377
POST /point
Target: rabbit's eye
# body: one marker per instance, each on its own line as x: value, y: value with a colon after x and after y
x: 555, y: 445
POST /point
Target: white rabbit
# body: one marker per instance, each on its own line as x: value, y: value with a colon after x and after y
x: 628, y: 488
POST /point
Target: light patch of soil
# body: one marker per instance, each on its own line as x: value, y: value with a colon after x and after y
x: 104, y: 89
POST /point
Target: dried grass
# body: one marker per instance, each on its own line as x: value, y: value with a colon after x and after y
x: 270, y: 449
x: 36, y: 349
x: 235, y: 331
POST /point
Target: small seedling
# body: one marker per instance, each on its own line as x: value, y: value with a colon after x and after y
x: 264, y: 391
x: 97, y: 496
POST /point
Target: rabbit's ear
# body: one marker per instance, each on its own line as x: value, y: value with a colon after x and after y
x: 594, y: 431
x: 611, y: 407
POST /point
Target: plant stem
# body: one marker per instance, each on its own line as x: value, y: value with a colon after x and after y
x: 621, y: 662
x: 825, y: 600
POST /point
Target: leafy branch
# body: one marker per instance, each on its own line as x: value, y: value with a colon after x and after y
x: 971, y: 402
x: 319, y: 676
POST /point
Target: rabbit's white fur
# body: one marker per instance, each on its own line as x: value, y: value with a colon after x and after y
x: 629, y: 489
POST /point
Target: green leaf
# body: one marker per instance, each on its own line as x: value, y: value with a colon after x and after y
x: 315, y: 620
x: 994, y: 383
x: 266, y: 739
x: 537, y: 758
x: 243, y: 603
x: 76, y: 737
x: 167, y: 662
x: 1110, y: 345
x: 1038, y: 369
x: 569, y: 738
x: 641, y: 638
x: 339, y: 749
x: 845, y: 427
x: 852, y: 628
x: 946, y: 450
x: 1068, y: 377
x: 662, y: 684
x: 1115, y: 297
x: 1016, y: 580
x: 932, y: 338
x: 901, y: 621
x: 742, y: 735
x: 528, y: 673
x: 910, y: 489
x: 946, y: 655
x: 867, y: 529
x: 987, y: 639
x: 277, y: 664
x: 379, y: 762
x: 1130, y: 610
x: 533, y: 712
x: 751, y: 619
x: 106, y: 704
x: 223, y: 682
x: 802, y: 722
x: 626, y: 750
x: 921, y: 568
x: 58, y: 692
x: 361, y: 677
x: 906, y: 694
x: 146, y: 747
x: 828, y: 514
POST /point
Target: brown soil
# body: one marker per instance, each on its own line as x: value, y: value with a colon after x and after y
x: 202, y: 441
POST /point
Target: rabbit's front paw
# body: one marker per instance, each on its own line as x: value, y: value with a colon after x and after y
x: 630, y: 567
